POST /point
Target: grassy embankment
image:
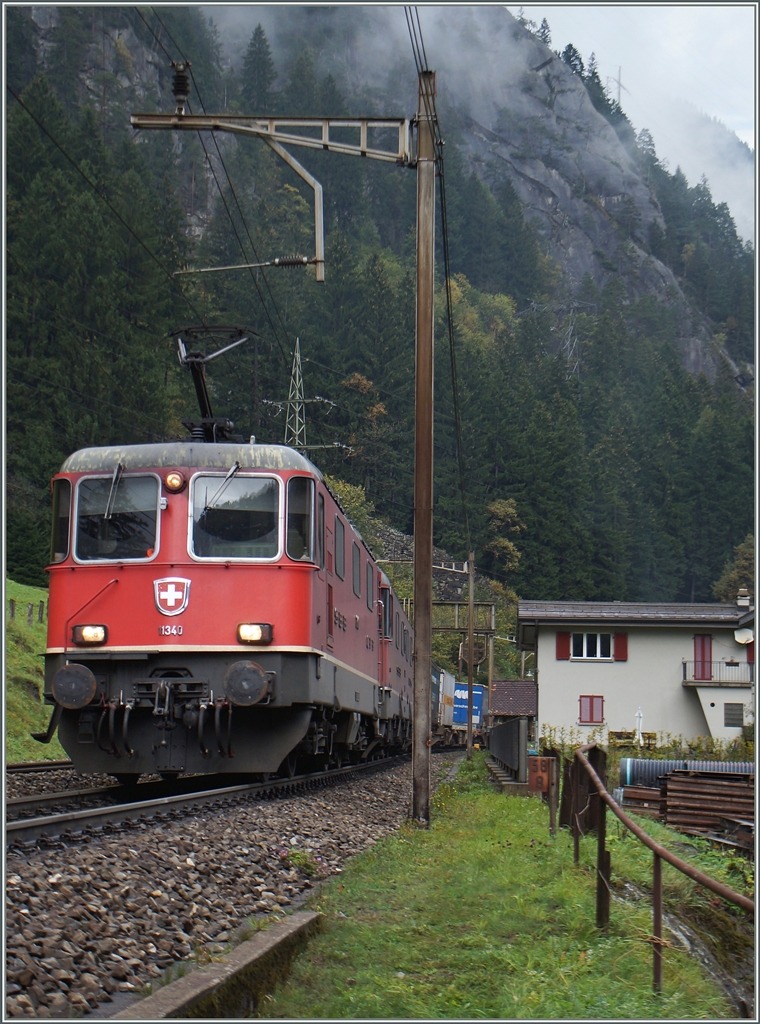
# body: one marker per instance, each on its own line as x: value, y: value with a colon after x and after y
x: 483, y: 915
x: 24, y: 711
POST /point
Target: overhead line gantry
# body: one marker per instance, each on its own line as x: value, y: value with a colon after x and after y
x: 414, y: 147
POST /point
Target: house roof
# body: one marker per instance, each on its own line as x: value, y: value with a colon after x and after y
x: 531, y: 614
x: 514, y: 697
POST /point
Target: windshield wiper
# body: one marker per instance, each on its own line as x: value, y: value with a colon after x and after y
x: 212, y: 503
x: 112, y: 493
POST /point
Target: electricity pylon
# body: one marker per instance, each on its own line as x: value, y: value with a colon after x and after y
x: 295, y: 428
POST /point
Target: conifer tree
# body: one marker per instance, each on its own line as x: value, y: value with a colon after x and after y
x: 738, y: 573
x: 258, y: 75
x: 573, y: 59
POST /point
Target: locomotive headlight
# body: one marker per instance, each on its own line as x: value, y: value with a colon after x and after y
x: 254, y: 633
x: 174, y: 481
x: 89, y: 634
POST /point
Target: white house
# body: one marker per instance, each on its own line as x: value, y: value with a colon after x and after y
x: 684, y: 669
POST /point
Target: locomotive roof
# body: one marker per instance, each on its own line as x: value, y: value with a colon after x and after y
x: 195, y: 454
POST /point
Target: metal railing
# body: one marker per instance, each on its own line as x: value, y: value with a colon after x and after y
x: 602, y: 799
x: 737, y: 672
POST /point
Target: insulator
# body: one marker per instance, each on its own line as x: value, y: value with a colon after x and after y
x: 181, y: 85
x: 290, y: 261
x: 198, y: 432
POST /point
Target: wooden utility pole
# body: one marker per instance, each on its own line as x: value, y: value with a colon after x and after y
x: 423, y: 449
x: 470, y: 647
x: 277, y: 132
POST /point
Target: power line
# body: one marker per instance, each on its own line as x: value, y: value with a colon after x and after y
x: 81, y: 395
x: 147, y: 25
x: 340, y: 373
x: 237, y: 204
x: 420, y: 59
x: 97, y: 192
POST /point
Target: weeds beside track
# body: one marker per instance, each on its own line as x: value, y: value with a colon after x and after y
x: 483, y: 915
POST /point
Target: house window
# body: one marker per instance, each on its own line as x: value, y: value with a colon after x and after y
x: 592, y: 645
x: 703, y: 656
x: 733, y: 716
x: 591, y: 711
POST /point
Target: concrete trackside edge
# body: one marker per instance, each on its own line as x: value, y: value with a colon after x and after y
x: 231, y: 987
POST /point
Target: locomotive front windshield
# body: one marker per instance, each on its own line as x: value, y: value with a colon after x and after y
x: 116, y: 518
x: 236, y: 519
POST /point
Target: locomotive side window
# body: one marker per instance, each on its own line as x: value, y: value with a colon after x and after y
x: 370, y: 587
x: 340, y: 548
x: 356, y: 570
x: 398, y: 631
x: 300, y: 505
x: 386, y: 611
x: 116, y: 518
x: 239, y: 521
x: 59, y: 547
x: 321, y: 532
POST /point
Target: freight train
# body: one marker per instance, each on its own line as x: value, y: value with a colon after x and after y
x: 212, y: 609
x: 448, y: 718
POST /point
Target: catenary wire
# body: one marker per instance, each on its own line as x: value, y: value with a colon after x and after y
x: 237, y: 203
x: 97, y: 192
x: 420, y: 59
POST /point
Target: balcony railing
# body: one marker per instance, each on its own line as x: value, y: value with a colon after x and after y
x: 738, y: 673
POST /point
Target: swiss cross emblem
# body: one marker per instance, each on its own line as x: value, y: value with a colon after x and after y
x: 172, y: 594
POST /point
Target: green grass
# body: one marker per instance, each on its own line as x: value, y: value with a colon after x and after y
x: 24, y: 677
x: 484, y: 916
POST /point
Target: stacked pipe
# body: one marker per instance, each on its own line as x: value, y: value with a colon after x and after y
x: 647, y: 771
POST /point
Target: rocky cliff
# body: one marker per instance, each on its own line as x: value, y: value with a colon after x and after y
x: 514, y: 103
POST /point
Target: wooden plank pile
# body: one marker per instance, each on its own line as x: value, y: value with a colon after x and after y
x: 701, y: 800
x: 642, y: 800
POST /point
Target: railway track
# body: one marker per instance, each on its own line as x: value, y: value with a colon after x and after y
x: 31, y: 767
x: 141, y: 805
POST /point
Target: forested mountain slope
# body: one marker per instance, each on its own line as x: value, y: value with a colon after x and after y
x: 602, y: 308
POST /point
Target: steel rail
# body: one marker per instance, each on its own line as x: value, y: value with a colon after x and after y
x: 39, y: 800
x: 30, y: 829
x: 23, y: 767
x: 687, y: 869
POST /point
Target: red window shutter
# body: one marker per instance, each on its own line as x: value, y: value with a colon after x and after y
x: 597, y: 711
x: 703, y: 656
x: 563, y: 647
x: 584, y: 714
x: 621, y: 647
x: 751, y: 652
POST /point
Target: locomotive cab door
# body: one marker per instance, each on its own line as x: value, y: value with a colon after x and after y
x: 385, y: 630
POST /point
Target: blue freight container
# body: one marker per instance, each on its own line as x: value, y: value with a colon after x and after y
x: 460, y: 703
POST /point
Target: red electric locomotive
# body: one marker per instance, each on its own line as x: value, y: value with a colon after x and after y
x: 212, y: 609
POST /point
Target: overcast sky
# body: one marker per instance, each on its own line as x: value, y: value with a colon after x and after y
x: 666, y: 55
x: 703, y: 53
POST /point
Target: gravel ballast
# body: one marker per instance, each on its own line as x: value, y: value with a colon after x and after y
x: 88, y: 920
